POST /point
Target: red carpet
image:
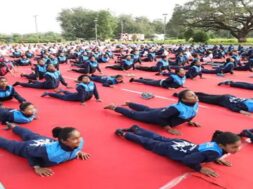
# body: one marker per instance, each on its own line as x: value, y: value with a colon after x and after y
x: 117, y: 163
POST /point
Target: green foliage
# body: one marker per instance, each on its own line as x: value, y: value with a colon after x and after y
x: 200, y: 37
x: 80, y: 23
x: 233, y: 16
x: 188, y: 34
x: 32, y: 38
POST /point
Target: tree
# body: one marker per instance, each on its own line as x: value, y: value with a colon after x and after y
x: 235, y: 16
x: 106, y: 25
x: 80, y: 23
x: 158, y: 26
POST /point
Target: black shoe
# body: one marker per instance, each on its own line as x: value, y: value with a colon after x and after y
x: 44, y: 94
x: 224, y: 83
x: 16, y: 83
x: 175, y: 95
x: 131, y: 80
x: 119, y: 132
x: 133, y: 129
x: 247, y: 133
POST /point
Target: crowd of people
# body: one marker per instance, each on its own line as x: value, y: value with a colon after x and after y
x: 175, y: 63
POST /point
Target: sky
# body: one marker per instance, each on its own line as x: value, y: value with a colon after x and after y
x: 18, y: 16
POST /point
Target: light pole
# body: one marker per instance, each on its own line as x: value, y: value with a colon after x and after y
x: 96, y: 29
x: 36, y: 24
x: 122, y: 26
x: 164, y: 27
x: 36, y: 27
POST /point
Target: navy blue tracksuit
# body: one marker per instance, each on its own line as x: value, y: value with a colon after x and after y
x: 52, y: 81
x: 228, y: 101
x: 246, y: 67
x: 167, y: 116
x: 193, y: 72
x: 226, y: 68
x: 242, y: 85
x: 124, y: 65
x: 39, y: 150
x: 84, y: 93
x: 88, y: 68
x: 14, y: 116
x: 107, y: 81
x: 10, y: 93
x: 39, y: 73
x: 173, y: 81
x: 159, y: 67
x: 188, y: 153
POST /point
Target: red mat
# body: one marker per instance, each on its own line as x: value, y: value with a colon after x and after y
x: 117, y: 163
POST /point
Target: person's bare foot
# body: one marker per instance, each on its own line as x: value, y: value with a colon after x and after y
x: 126, y: 103
x: 9, y: 126
x: 110, y: 107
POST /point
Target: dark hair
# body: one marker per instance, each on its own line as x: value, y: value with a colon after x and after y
x: 182, y: 94
x: 117, y: 76
x: 24, y: 105
x: 80, y: 78
x: 177, y: 70
x: 228, y: 59
x: 225, y: 138
x: 62, y: 133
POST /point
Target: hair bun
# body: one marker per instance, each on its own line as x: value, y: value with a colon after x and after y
x: 56, y: 132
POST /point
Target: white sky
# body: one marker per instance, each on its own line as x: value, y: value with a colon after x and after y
x: 17, y: 16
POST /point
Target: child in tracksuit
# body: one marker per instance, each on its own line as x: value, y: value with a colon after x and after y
x: 168, y: 117
x: 42, y: 152
x: 89, y: 67
x: 107, y: 81
x: 237, y: 84
x: 194, y: 70
x: 25, y: 114
x: 174, y: 80
x: 233, y: 103
x: 39, y: 71
x: 23, y: 61
x: 126, y: 64
x: 226, y: 68
x: 7, y: 92
x: 85, y: 91
x: 186, y: 152
x: 52, y: 80
x: 161, y: 65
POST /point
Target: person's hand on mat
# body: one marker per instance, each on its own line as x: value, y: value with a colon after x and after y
x: 208, y: 172
x: 83, y: 103
x: 83, y: 155
x: 245, y: 113
x: 68, y: 87
x: 43, y: 172
x: 223, y: 162
x: 193, y: 124
x: 99, y: 100
x: 174, y: 131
